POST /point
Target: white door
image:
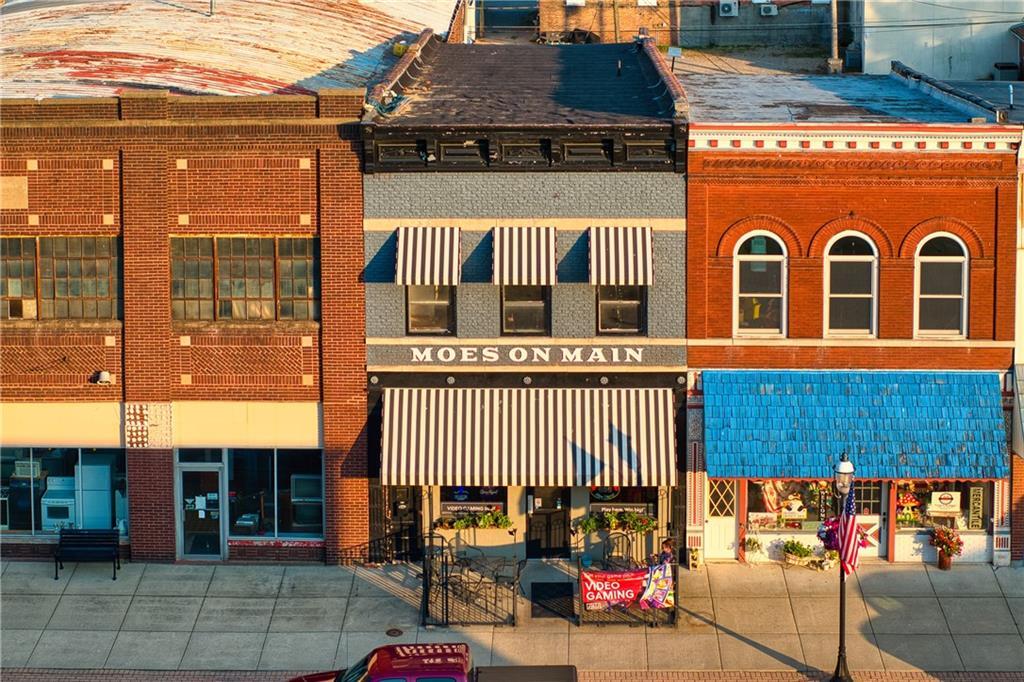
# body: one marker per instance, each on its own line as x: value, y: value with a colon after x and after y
x: 872, y: 508
x: 721, y: 533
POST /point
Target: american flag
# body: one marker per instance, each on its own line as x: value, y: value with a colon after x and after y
x: 849, y: 536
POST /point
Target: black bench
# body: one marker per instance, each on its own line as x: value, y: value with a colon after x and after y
x: 87, y: 545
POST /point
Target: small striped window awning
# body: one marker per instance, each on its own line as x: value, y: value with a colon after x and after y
x: 528, y: 436
x: 621, y: 256
x: 428, y: 256
x: 524, y: 256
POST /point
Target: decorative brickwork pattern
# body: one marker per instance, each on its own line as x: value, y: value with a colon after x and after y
x: 56, y: 362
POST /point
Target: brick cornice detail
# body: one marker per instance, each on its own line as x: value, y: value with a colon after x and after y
x: 975, y: 245
x: 852, y: 223
x: 768, y: 223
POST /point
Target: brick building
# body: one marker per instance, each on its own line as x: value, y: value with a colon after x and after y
x: 851, y: 275
x: 524, y: 222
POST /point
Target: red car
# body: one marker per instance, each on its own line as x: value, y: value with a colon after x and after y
x: 435, y: 663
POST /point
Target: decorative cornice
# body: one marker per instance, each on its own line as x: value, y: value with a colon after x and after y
x: 940, y: 139
x: 905, y: 163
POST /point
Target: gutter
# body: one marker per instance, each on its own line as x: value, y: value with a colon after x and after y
x: 942, y: 91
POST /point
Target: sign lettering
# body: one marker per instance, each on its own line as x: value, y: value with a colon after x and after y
x: 525, y: 355
x: 976, y: 509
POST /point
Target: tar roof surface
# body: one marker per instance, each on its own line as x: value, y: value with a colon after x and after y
x: 998, y: 93
x: 79, y: 48
x: 811, y: 99
x: 534, y: 84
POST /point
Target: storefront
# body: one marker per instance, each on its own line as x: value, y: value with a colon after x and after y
x: 930, y: 449
x: 537, y: 473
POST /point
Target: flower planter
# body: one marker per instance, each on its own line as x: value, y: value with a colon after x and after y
x: 794, y: 560
x: 945, y: 561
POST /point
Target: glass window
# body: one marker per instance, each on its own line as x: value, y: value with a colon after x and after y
x: 79, y: 277
x: 942, y: 288
x: 276, y: 493
x: 431, y: 309
x: 760, y: 272
x: 789, y: 505
x: 192, y: 278
x: 245, y: 278
x: 45, y: 489
x: 18, y: 278
x: 251, y: 492
x: 201, y: 455
x: 524, y: 309
x: 919, y: 504
x: 298, y: 285
x: 850, y: 267
x: 620, y: 309
x: 300, y: 493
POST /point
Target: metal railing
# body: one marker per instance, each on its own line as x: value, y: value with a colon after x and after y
x: 466, y: 587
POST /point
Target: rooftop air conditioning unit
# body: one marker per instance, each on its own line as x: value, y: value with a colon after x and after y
x: 728, y: 8
x: 769, y: 10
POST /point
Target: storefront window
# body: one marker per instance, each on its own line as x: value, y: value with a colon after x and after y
x: 618, y: 499
x: 456, y: 500
x: 788, y: 505
x: 276, y: 493
x: 964, y: 505
x: 45, y: 489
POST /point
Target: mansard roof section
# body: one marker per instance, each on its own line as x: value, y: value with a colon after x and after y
x: 487, y: 87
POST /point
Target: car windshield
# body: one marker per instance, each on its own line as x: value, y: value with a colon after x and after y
x: 356, y: 673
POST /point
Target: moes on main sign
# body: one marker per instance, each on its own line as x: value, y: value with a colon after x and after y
x: 532, y: 354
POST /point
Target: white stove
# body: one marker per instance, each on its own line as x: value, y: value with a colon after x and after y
x: 58, y: 503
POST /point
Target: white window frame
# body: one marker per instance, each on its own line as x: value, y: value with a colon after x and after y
x: 872, y: 332
x: 964, y: 293
x: 784, y: 288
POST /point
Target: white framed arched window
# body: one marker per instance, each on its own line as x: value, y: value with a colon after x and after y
x: 759, y: 283
x: 851, y: 286
x: 940, y: 286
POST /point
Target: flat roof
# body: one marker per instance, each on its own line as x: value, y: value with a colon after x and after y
x: 96, y: 48
x: 811, y: 99
x: 521, y: 85
x: 998, y: 93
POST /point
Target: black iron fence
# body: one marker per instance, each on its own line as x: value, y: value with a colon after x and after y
x: 467, y: 587
x: 632, y: 614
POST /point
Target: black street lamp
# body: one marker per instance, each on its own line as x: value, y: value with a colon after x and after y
x: 844, y: 484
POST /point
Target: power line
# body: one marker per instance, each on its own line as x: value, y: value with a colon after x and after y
x: 967, y: 9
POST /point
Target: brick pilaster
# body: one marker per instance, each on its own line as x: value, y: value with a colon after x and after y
x: 1016, y: 507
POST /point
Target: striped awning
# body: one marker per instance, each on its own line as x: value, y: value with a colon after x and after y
x: 621, y: 255
x: 524, y: 256
x: 528, y: 436
x: 428, y: 256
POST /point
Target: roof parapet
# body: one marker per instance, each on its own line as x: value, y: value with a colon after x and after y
x: 673, y: 88
x: 385, y: 95
x: 949, y: 94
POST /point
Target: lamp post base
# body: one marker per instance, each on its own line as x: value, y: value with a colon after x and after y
x: 842, y: 673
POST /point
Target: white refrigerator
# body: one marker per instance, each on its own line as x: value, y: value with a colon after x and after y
x: 95, y: 484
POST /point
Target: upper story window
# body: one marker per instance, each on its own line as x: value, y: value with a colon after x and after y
x: 245, y: 278
x: 60, y: 278
x: 759, y: 279
x: 851, y: 275
x: 525, y: 310
x: 941, y: 287
x: 430, y: 309
x: 621, y: 309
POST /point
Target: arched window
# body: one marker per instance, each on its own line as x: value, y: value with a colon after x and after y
x: 759, y: 280
x: 851, y: 276
x: 941, y: 287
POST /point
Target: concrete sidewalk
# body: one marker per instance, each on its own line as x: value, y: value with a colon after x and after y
x: 734, y: 617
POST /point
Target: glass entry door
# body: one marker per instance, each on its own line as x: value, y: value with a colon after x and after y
x: 201, y: 534
x: 547, y: 524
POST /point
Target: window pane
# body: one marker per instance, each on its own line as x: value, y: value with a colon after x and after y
x: 852, y: 314
x: 524, y: 293
x: 941, y: 314
x: 760, y: 277
x: 431, y: 309
x: 759, y: 312
x: 246, y: 278
x: 300, y: 493
x: 851, y: 278
x: 83, y: 269
x: 942, y: 246
x: 792, y: 505
x: 17, y: 281
x: 851, y: 246
x: 942, y: 278
x: 525, y: 318
x: 188, y: 286
x: 620, y: 316
x: 760, y: 245
x: 24, y: 491
x: 251, y: 492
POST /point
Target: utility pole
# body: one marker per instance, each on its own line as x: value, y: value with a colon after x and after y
x: 834, y: 63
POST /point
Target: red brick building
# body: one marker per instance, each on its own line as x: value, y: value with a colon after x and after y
x: 154, y: 252
x: 857, y: 228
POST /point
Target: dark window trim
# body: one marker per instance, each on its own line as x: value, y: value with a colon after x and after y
x: 642, y: 331
x: 452, y: 317
x: 546, y: 291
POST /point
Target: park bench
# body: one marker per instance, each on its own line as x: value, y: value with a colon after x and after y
x: 87, y: 545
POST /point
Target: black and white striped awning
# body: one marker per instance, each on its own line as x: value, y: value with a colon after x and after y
x: 528, y: 436
x: 621, y: 255
x: 428, y: 256
x: 524, y: 256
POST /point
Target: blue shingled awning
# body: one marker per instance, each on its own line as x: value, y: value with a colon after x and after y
x: 901, y: 425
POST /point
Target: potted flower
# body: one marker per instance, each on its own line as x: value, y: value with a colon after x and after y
x: 796, y: 552
x: 949, y: 544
